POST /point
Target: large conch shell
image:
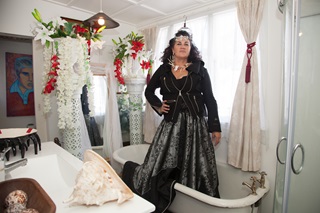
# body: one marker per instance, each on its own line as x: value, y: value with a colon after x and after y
x: 97, y: 183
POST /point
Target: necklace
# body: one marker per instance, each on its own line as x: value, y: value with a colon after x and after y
x: 177, y: 67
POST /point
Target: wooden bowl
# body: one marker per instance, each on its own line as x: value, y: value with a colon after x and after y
x: 37, y: 198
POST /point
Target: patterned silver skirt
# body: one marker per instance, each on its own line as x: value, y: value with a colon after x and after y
x: 180, y: 151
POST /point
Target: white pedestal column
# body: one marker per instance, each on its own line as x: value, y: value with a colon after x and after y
x: 72, y: 136
x: 135, y: 88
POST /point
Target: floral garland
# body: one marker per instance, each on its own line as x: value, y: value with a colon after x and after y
x: 66, y: 64
x: 131, y: 56
x: 73, y: 72
x: 52, y: 75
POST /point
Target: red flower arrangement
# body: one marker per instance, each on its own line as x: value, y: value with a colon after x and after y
x: 145, y: 65
x: 130, y: 46
x: 118, y: 64
x: 52, y: 75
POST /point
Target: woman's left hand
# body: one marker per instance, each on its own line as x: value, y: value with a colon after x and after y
x: 216, y: 137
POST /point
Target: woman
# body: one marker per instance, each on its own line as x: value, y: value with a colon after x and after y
x: 182, y: 149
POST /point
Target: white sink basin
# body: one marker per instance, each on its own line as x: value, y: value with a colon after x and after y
x: 49, y: 166
x: 55, y: 169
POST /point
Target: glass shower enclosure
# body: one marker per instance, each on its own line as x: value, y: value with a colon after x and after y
x: 298, y: 150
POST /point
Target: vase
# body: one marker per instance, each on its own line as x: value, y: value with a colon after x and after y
x: 135, y: 87
x: 132, y: 69
x: 72, y: 136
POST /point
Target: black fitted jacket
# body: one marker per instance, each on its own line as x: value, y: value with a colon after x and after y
x: 196, y: 94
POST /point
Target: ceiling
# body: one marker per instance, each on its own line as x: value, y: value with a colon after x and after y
x: 310, y: 8
x: 139, y: 12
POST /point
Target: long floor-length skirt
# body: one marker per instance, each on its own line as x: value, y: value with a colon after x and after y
x: 181, y: 152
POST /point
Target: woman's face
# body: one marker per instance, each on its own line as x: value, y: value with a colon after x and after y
x: 181, y: 48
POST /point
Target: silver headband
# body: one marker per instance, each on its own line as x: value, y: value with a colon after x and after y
x: 181, y: 37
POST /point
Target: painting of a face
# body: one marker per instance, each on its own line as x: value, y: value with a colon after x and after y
x: 26, y: 78
x: 19, y: 85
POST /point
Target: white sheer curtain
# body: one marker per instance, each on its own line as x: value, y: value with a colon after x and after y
x: 107, y: 112
x: 85, y: 139
x: 219, y: 39
x: 112, y: 138
x: 100, y: 96
x: 244, y: 150
x: 151, y: 119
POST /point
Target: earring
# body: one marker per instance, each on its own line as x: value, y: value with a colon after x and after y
x: 171, y: 62
x: 171, y: 59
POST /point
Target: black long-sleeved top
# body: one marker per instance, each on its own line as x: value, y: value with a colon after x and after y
x: 196, y: 94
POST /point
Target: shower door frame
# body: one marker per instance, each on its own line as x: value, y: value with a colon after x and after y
x: 291, y: 13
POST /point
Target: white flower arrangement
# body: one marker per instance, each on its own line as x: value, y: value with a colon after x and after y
x: 74, y: 73
x: 66, y: 64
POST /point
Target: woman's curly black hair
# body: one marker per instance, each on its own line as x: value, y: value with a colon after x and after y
x: 194, y: 55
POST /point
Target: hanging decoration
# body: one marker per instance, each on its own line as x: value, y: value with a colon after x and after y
x: 248, y: 67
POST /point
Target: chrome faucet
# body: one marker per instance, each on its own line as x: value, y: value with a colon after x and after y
x: 4, y: 168
x: 252, y: 186
x: 262, y: 179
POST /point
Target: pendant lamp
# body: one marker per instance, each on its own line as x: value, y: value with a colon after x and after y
x: 101, y: 19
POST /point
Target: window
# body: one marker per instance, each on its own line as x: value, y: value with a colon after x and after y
x: 100, y: 96
x: 220, y: 41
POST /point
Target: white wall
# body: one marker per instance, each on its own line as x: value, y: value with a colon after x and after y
x: 270, y: 37
x: 17, y: 18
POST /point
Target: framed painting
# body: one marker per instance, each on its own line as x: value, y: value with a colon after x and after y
x: 19, y: 85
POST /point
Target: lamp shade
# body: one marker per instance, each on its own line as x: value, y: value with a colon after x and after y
x: 108, y: 22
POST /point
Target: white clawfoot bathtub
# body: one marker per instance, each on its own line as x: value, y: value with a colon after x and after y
x: 235, y: 197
